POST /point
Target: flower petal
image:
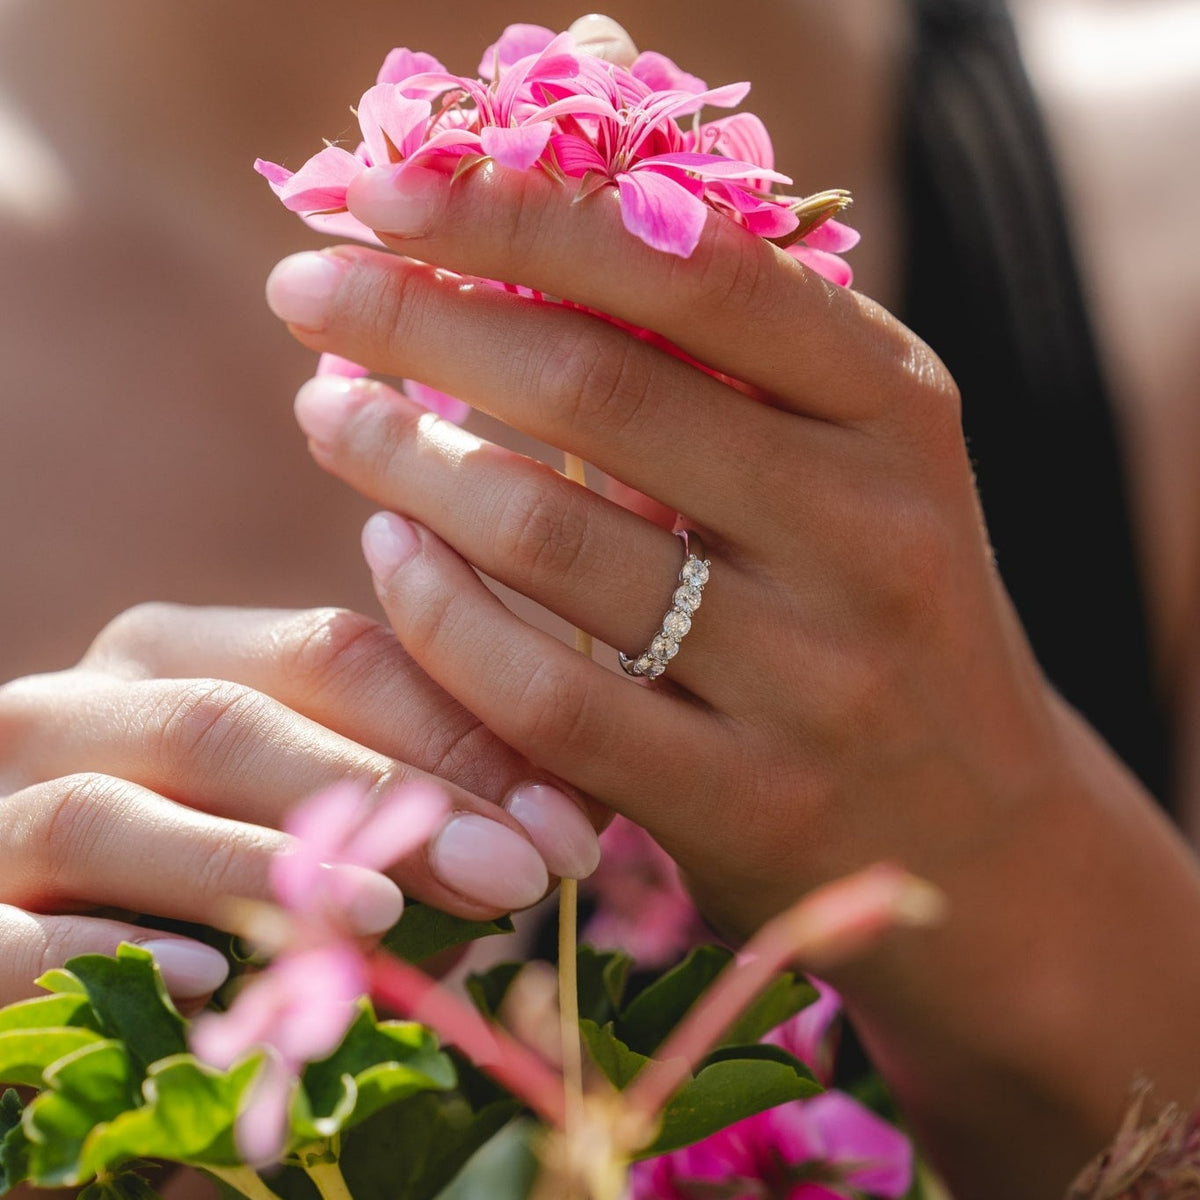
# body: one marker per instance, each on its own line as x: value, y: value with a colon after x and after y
x: 827, y: 265
x: 262, y: 1125
x: 520, y: 147
x: 833, y: 236
x: 401, y: 64
x: 393, y: 125
x: 319, y: 185
x: 852, y: 1134
x: 577, y: 156
x: 333, y: 364
x: 341, y: 226
x: 713, y: 166
x: 661, y: 212
x: 447, y: 407
x: 662, y: 75
x: 516, y: 42
x: 400, y: 823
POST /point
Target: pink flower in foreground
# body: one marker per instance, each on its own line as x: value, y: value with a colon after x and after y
x: 642, y: 907
x: 827, y: 1148
x: 297, y: 1010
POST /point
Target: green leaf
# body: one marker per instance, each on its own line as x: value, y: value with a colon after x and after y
x: 131, y: 1003
x: 377, y: 1064
x: 84, y: 1091
x: 602, y: 978
x: 189, y: 1117
x: 786, y: 995
x: 610, y: 1054
x: 25, y: 1054
x: 504, y: 1169
x: 126, y: 1186
x: 424, y: 931
x: 488, y: 989
x: 14, y: 1149
x: 657, y: 1009
x: 729, y: 1090
x: 48, y: 1012
x: 60, y: 980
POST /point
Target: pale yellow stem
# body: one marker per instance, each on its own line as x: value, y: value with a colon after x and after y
x: 244, y: 1180
x: 329, y: 1181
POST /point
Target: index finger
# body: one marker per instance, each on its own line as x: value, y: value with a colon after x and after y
x: 739, y: 304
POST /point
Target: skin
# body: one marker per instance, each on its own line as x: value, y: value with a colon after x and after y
x: 994, y: 791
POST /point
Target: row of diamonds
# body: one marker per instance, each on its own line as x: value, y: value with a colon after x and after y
x: 678, y: 621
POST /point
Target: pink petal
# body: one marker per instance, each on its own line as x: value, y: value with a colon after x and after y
x: 402, y: 821
x: 333, y: 364
x: 515, y: 43
x: 393, y: 126
x: 664, y: 214
x: 832, y: 236
x: 658, y: 72
x: 852, y: 1134
x: 577, y: 156
x: 742, y: 136
x: 712, y: 166
x: 446, y: 407
x: 765, y: 218
x: 320, y: 827
x: 341, y: 226
x: 262, y: 1125
x: 321, y: 183
x: 402, y: 63
x: 520, y: 147
x: 807, y: 1034
x: 273, y: 173
x: 828, y: 266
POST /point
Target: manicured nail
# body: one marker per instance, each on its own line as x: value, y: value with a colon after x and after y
x: 404, y: 200
x: 486, y: 862
x: 189, y: 969
x: 564, y: 837
x: 370, y: 902
x: 387, y: 542
x: 324, y: 404
x: 300, y: 290
x: 603, y: 37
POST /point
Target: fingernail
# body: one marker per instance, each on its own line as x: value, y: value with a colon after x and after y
x: 324, y: 404
x: 188, y: 969
x: 564, y: 837
x: 603, y: 37
x: 387, y: 542
x: 301, y: 288
x: 370, y: 902
x: 486, y: 862
x: 402, y: 200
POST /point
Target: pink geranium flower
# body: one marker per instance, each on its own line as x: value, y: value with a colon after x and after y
x: 827, y: 1148
x: 297, y: 1010
x: 811, y: 1034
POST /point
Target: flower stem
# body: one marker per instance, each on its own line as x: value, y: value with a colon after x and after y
x: 568, y: 939
x: 329, y: 1181
x: 245, y: 1180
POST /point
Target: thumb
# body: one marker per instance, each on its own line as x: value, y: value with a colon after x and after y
x: 602, y: 36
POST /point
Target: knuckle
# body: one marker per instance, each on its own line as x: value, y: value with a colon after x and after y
x: 330, y: 649
x: 228, y: 867
x: 127, y: 631
x: 551, y: 709
x: 540, y: 531
x: 207, y: 718
x: 730, y: 273
x: 455, y: 748
x: 597, y: 381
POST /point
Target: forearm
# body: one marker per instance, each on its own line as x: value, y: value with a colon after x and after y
x: 1069, y: 967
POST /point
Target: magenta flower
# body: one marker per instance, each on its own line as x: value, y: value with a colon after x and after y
x: 298, y: 1009
x: 810, y: 1035
x: 641, y: 905
x: 827, y: 1148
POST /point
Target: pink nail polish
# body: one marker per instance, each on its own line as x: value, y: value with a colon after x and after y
x: 189, y: 969
x: 324, y: 405
x: 370, y: 902
x: 486, y: 862
x: 404, y: 201
x: 557, y: 827
x: 301, y: 288
x: 388, y: 541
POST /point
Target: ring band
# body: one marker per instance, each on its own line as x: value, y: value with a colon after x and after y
x: 693, y: 575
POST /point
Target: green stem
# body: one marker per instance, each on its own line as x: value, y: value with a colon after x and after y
x: 330, y: 1181
x: 245, y: 1180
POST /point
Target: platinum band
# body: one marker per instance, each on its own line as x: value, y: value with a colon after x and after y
x: 693, y: 575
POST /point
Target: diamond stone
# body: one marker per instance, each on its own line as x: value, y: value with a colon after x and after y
x: 676, y: 624
x: 655, y: 669
x: 695, y: 572
x: 645, y: 666
x: 663, y: 648
x: 687, y: 598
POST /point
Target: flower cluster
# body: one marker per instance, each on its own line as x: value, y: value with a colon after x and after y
x: 538, y: 101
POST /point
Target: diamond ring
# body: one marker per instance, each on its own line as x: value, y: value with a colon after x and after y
x: 693, y: 575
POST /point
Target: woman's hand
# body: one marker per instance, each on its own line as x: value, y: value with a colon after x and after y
x: 856, y: 685
x: 155, y: 775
